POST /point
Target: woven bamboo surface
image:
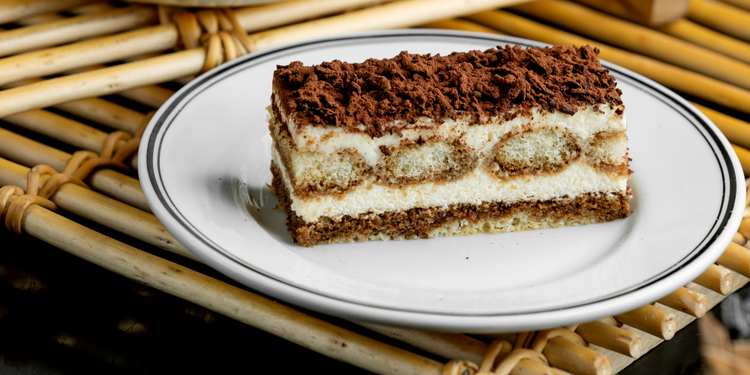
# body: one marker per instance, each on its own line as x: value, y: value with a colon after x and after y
x: 83, y: 75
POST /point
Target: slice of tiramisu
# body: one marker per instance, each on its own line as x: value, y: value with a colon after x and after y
x: 507, y: 139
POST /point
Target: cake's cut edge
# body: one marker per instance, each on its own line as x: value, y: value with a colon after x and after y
x: 462, y: 219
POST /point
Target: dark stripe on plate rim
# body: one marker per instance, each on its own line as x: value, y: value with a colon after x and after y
x: 662, y: 94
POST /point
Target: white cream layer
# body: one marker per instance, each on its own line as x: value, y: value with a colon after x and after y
x: 474, y: 188
x: 329, y: 139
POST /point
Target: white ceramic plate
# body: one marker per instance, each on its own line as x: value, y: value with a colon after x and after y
x: 204, y: 166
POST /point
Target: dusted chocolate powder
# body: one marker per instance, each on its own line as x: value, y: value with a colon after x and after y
x: 406, y: 87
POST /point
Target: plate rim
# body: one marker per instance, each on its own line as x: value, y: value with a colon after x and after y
x: 451, y: 321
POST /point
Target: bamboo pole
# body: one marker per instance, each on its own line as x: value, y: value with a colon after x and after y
x: 102, y: 210
x: 152, y: 39
x: 40, y: 18
x: 736, y: 258
x: 668, y: 75
x: 12, y: 10
x: 610, y: 337
x: 246, y: 307
x: 650, y: 17
x: 104, y: 112
x: 391, y: 15
x: 96, y: 51
x: 61, y: 128
x: 745, y: 228
x: 739, y: 239
x: 459, y: 24
x: 576, y: 359
x: 152, y: 96
x: 184, y: 63
x: 736, y: 131
x: 640, y: 39
x: 29, y: 152
x: 651, y: 319
x: 462, y: 347
x: 687, y: 301
x: 527, y: 367
x: 95, y: 7
x: 708, y: 38
x: 722, y: 17
x: 112, y: 183
x: 288, y: 12
x: 744, y: 4
x: 684, y: 29
x: 610, y: 320
x: 717, y: 279
x: 744, y: 156
x: 74, y: 29
x: 101, y: 82
x: 446, y: 345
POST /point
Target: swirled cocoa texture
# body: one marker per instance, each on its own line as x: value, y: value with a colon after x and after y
x: 363, y: 97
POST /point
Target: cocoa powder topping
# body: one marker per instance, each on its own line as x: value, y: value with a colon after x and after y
x: 408, y: 86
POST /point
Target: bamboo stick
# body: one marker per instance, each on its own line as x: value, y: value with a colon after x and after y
x: 152, y: 39
x: 61, y: 128
x: 179, y: 64
x: 102, y: 210
x: 668, y: 75
x: 112, y: 183
x: 65, y: 130
x: 12, y: 10
x: 101, y: 82
x: 391, y: 15
x: 744, y: 156
x: 543, y: 337
x: 736, y: 130
x: 96, y: 7
x: 74, y: 29
x: 687, y: 301
x: 669, y: 11
x: 54, y: 16
x: 739, y: 239
x: 104, y: 112
x: 610, y: 320
x: 231, y: 301
x: 736, y: 258
x: 96, y: 51
x: 722, y: 17
x: 576, y: 359
x: 29, y: 152
x: 717, y: 279
x: 446, y: 345
x: 152, y: 96
x: 610, y: 337
x: 288, y: 12
x: 514, y: 358
x: 528, y: 367
x: 684, y: 29
x: 495, y: 352
x: 744, y: 4
x: 651, y: 319
x: 708, y: 38
x: 459, y: 24
x: 745, y: 228
x: 640, y: 39
x: 40, y: 18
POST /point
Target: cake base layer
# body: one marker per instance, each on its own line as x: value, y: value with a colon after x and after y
x: 459, y: 219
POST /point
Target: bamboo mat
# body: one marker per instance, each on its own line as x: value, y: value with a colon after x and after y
x: 79, y: 79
